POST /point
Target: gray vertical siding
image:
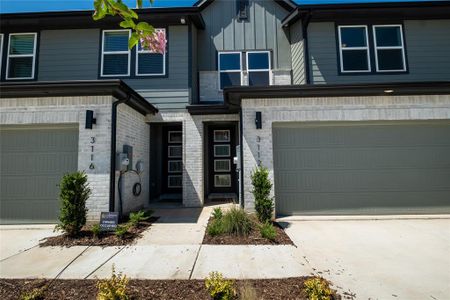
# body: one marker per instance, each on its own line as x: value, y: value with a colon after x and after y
x: 75, y: 55
x: 262, y: 31
x: 427, y: 48
x: 298, y: 55
x: 194, y: 63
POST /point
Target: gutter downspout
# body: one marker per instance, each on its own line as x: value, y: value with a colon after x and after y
x: 112, y: 178
x: 305, y: 23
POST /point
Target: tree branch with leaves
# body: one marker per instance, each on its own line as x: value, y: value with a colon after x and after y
x: 142, y: 32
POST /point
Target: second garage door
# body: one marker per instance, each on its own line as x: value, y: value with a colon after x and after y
x: 33, y: 160
x: 361, y: 168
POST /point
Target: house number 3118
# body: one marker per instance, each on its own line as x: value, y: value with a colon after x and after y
x: 92, y: 166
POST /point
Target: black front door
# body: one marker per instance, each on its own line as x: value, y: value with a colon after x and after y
x: 221, y: 151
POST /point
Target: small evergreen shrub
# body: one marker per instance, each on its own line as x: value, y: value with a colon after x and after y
x: 268, y: 231
x: 236, y: 221
x: 137, y: 217
x: 215, y: 227
x: 217, y: 213
x: 74, y: 192
x: 317, y: 289
x: 121, y: 230
x: 261, y: 192
x: 114, y: 288
x: 96, y: 230
x: 219, y: 288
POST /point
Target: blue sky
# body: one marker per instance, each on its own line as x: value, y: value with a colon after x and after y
x: 9, y: 6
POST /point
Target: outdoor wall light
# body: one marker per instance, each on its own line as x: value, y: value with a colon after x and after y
x: 258, y: 120
x: 183, y: 20
x: 90, y: 120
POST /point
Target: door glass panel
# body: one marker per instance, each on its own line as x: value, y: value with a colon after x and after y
x: 175, y: 151
x: 221, y: 150
x: 175, y: 181
x: 175, y: 166
x: 222, y: 165
x: 175, y: 137
x: 223, y: 180
x: 221, y: 135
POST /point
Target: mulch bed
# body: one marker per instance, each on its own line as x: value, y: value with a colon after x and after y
x: 288, y: 288
x: 254, y: 238
x: 86, y: 238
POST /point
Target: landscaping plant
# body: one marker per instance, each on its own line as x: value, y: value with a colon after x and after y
x: 74, y: 192
x: 96, y: 230
x: 114, y: 288
x: 220, y: 288
x: 34, y: 294
x: 261, y: 192
x: 121, y: 230
x: 268, y: 231
x: 317, y: 289
x: 137, y: 217
x: 236, y: 221
x: 215, y: 227
x: 217, y: 213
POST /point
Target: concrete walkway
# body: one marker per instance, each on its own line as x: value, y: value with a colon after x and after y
x: 171, y: 249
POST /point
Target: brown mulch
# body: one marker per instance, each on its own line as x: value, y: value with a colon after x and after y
x: 86, y: 238
x: 254, y: 238
x: 288, y: 288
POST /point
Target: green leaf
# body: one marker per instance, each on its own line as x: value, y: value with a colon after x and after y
x: 133, y: 14
x: 134, y: 39
x: 127, y: 23
x: 139, y: 3
x: 144, y: 26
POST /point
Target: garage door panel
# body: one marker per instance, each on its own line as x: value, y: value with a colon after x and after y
x: 33, y: 160
x: 362, y: 168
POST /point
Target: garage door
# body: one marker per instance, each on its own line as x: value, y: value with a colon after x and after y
x: 361, y: 168
x: 32, y: 161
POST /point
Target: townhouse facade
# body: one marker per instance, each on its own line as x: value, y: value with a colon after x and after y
x: 348, y: 106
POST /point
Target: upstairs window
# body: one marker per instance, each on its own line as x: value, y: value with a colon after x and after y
x: 354, y: 49
x: 115, y: 59
x: 149, y: 63
x: 258, y: 68
x: 230, y: 69
x: 389, y: 48
x: 21, y: 56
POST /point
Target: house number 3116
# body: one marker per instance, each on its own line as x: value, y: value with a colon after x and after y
x: 92, y: 166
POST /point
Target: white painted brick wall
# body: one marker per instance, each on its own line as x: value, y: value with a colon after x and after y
x: 59, y: 110
x: 373, y: 108
x: 132, y: 130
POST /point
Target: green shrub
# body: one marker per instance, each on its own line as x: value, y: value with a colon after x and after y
x: 317, y: 289
x: 236, y: 221
x: 96, y: 230
x: 34, y: 294
x: 215, y: 227
x: 122, y: 230
x: 114, y: 288
x: 261, y: 192
x: 217, y: 213
x: 268, y: 231
x: 74, y: 192
x: 219, y: 288
x: 137, y: 217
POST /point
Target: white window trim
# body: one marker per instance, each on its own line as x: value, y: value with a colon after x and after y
x: 174, y: 186
x: 2, y: 36
x: 217, y: 185
x: 376, y: 48
x: 33, y: 65
x: 224, y: 141
x: 229, y: 71
x: 175, y: 146
x: 174, y: 131
x: 259, y: 70
x: 341, y: 59
x: 174, y: 161
x: 149, y: 51
x: 114, y: 52
x: 229, y: 151
x: 229, y: 165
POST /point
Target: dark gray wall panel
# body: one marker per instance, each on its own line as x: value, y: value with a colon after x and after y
x: 355, y: 168
x: 427, y: 49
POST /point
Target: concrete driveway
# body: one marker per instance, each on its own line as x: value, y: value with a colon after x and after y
x: 379, y: 259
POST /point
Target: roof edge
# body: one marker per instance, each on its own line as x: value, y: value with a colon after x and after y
x: 116, y: 88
